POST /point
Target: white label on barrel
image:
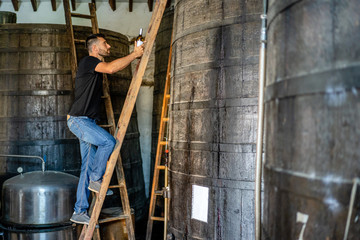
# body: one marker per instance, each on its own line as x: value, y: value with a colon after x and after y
x: 302, y: 218
x: 200, y: 198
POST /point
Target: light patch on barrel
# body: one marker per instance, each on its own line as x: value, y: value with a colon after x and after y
x: 332, y: 203
x: 329, y: 200
x: 354, y: 91
x: 333, y: 179
x: 200, y: 199
x: 335, y: 95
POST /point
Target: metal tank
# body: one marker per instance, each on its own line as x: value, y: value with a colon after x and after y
x: 213, y: 118
x: 38, y: 205
x: 62, y: 233
x: 39, y: 198
x: 312, y: 120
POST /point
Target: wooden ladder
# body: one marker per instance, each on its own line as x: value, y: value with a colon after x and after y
x: 160, y: 151
x: 122, y: 125
x: 110, y: 119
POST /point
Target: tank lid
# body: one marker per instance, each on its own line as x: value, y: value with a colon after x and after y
x: 47, y: 178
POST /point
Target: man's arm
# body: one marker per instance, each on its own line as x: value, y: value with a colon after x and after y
x: 120, y: 63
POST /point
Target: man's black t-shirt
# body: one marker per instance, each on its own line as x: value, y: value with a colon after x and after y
x: 88, y: 89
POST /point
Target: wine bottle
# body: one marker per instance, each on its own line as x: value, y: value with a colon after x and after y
x: 140, y: 39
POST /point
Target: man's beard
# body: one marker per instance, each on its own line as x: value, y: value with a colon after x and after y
x: 104, y: 53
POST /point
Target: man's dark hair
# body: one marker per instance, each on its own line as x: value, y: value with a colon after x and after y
x: 90, y: 40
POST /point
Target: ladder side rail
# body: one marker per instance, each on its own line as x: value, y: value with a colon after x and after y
x: 108, y: 105
x: 106, y: 88
x: 166, y: 185
x: 124, y: 198
x: 95, y: 29
x: 166, y: 203
x: 159, y: 147
x: 111, y: 121
x: 70, y: 31
x: 119, y: 169
x: 94, y: 22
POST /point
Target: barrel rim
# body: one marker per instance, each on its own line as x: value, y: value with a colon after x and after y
x: 314, y: 83
x: 52, y: 27
x: 7, y: 12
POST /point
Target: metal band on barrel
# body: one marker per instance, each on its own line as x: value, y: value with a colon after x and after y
x: 325, y: 82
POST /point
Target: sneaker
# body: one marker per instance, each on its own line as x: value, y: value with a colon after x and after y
x: 81, y: 218
x: 95, y: 187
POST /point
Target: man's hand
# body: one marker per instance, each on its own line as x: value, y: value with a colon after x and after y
x: 120, y: 63
x: 138, y: 50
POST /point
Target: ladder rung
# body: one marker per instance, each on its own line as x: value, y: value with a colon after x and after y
x: 79, y: 15
x: 158, y: 192
x: 106, y: 125
x: 116, y: 186
x: 157, y: 218
x: 160, y: 167
x: 163, y: 143
x: 79, y: 41
x: 165, y: 119
x: 107, y: 96
x: 110, y: 219
x: 167, y: 96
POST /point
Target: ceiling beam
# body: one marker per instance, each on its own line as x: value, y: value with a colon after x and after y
x: 112, y: 4
x: 73, y: 5
x: 150, y: 5
x: 15, y: 4
x: 34, y: 5
x: 53, y: 5
x: 130, y: 5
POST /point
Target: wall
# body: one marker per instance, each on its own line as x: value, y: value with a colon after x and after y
x: 121, y: 20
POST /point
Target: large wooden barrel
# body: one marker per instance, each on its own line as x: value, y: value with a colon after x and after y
x: 312, y: 126
x: 36, y: 93
x: 213, y: 119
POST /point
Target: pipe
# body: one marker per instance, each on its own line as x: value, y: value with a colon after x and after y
x: 260, y: 125
x: 27, y: 156
x: 351, y: 206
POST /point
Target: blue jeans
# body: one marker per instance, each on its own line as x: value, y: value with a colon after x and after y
x: 96, y: 146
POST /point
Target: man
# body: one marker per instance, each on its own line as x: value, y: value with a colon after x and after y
x: 96, y: 144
